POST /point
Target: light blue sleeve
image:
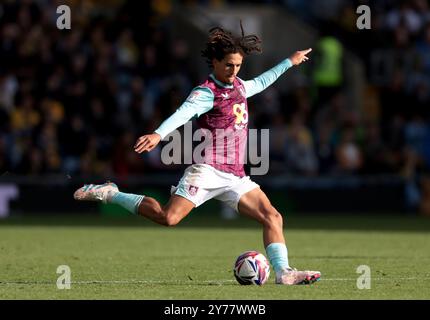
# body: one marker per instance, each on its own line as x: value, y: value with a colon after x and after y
x: 198, y: 102
x: 264, y: 80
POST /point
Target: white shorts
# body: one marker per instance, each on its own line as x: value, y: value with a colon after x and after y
x: 202, y: 182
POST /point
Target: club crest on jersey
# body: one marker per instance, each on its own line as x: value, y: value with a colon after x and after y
x: 193, y: 190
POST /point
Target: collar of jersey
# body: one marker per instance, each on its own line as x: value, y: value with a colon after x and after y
x: 221, y: 84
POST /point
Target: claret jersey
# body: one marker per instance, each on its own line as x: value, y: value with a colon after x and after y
x: 222, y: 115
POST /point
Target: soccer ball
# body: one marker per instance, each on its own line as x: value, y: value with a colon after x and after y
x: 251, y: 267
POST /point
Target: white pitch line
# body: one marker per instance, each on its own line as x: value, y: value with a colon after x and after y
x: 124, y: 282
x: 190, y: 282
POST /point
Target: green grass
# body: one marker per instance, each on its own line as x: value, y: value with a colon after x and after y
x: 132, y: 258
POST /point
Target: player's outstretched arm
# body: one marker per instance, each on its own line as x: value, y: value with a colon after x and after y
x: 147, y: 142
x: 299, y: 56
x: 198, y: 102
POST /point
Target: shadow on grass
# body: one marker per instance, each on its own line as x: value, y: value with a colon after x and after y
x: 303, y: 221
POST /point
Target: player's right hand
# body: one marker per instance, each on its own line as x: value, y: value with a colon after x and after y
x: 147, y: 142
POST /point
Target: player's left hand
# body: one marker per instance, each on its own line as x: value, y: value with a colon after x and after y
x: 299, y: 56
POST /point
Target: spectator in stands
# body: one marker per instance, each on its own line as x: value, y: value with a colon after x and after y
x: 349, y: 156
x: 300, y: 153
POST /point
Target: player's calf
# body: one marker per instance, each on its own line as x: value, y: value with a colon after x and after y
x: 151, y: 208
x: 170, y: 215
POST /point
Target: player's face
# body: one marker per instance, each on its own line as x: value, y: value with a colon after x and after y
x: 227, y: 69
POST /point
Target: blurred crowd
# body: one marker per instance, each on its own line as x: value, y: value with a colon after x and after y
x: 74, y: 101
x: 390, y: 133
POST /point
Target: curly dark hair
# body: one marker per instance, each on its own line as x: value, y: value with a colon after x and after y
x: 222, y: 42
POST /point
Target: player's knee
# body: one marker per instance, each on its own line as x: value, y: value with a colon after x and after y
x: 272, y: 216
x: 172, y: 217
x: 171, y: 221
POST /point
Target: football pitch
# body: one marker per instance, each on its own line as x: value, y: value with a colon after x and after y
x: 132, y: 258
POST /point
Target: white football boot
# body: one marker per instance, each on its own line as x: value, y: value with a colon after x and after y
x: 96, y: 192
x: 291, y: 276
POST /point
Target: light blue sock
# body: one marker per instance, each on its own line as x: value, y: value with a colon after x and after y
x: 128, y: 201
x: 278, y: 256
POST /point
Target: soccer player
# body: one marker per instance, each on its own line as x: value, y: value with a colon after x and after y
x: 218, y: 103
